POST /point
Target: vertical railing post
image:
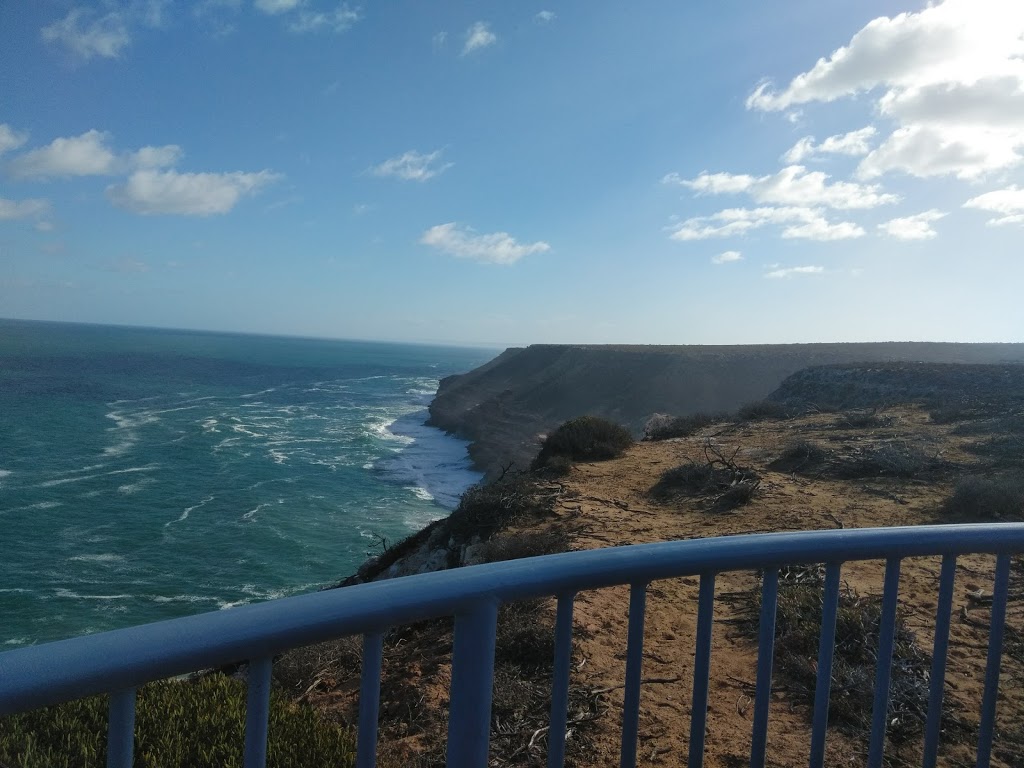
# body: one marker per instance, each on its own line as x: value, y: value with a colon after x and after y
x: 826, y: 651
x: 940, y: 648
x: 257, y: 712
x: 560, y: 681
x: 369, y: 700
x: 701, y: 669
x: 469, y: 721
x: 765, y: 655
x: 634, y: 673
x: 121, y: 729
x: 995, y: 653
x: 883, y: 670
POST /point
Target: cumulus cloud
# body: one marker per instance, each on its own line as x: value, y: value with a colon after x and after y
x: 852, y: 144
x: 951, y: 76
x: 339, y: 20
x: 793, y: 185
x: 89, y: 155
x: 86, y: 34
x: 412, y: 166
x: 152, y: 191
x: 797, y: 222
x: 35, y: 208
x: 1009, y: 203
x: 544, y: 17
x: 790, y: 271
x: 916, y: 227
x: 10, y: 138
x: 464, y: 243
x: 478, y: 37
x: 727, y: 257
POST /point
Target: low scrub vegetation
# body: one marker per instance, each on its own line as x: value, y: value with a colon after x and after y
x: 178, y: 725
x: 762, y: 410
x: 863, y: 420
x: 798, y: 627
x: 889, y: 459
x: 664, y: 427
x: 488, y: 508
x: 1004, y: 452
x: 987, y: 498
x: 719, y: 477
x: 513, y: 546
x: 588, y: 438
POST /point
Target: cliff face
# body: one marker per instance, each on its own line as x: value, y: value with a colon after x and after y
x: 503, y: 406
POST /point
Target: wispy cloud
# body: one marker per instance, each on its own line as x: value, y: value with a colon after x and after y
x: 478, y: 37
x: 10, y: 138
x: 797, y: 222
x: 32, y: 208
x: 339, y: 20
x: 776, y: 274
x: 852, y: 144
x: 793, y: 185
x: 727, y: 257
x: 1009, y: 203
x: 545, y: 17
x: 916, y: 227
x: 412, y: 166
x: 87, y: 34
x: 274, y: 7
x: 188, y: 194
x: 464, y: 243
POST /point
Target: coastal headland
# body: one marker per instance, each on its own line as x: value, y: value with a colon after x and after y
x: 506, y: 405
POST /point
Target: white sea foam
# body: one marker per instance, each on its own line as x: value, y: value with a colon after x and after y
x: 5, y: 473
x: 130, y: 488
x: 420, y: 493
x: 66, y: 480
x: 105, y: 559
x: 277, y: 456
x: 261, y: 392
x: 61, y: 592
x: 251, y: 514
x: 185, y: 512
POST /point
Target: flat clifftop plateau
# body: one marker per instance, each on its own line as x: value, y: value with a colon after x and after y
x: 503, y: 406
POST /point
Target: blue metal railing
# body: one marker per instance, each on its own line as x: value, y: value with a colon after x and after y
x: 119, y: 662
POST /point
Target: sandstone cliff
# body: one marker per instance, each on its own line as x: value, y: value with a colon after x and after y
x: 504, y: 405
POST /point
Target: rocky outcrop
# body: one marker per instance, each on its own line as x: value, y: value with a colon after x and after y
x: 504, y: 406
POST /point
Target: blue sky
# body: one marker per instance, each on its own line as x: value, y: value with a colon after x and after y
x: 517, y: 172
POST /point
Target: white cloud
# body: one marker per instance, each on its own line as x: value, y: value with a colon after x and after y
x: 86, y: 35
x: 793, y: 185
x: 275, y: 7
x: 790, y: 271
x: 951, y: 76
x: 188, y: 194
x: 89, y: 155
x: 545, y: 17
x: 852, y: 144
x: 23, y: 209
x: 339, y: 20
x: 798, y: 222
x: 727, y: 257
x: 412, y: 166
x: 10, y: 139
x: 496, y: 248
x: 478, y: 36
x: 1009, y: 202
x: 439, y: 40
x: 916, y: 227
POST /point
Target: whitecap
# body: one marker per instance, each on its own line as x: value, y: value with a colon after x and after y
x: 251, y: 514
x: 135, y: 487
x: 61, y: 592
x: 5, y: 473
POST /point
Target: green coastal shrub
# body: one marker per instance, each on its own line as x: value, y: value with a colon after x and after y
x: 662, y: 427
x: 588, y: 438
x: 191, y: 724
x: 985, y: 498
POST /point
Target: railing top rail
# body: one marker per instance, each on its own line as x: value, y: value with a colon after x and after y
x: 44, y: 674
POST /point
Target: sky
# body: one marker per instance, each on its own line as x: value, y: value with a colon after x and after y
x: 498, y: 172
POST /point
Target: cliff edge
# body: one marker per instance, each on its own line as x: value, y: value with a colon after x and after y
x: 504, y: 406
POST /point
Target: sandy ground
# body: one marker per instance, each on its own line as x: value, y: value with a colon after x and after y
x: 609, y: 503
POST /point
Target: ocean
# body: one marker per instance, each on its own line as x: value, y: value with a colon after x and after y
x: 147, y: 474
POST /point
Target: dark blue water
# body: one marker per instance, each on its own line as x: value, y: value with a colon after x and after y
x: 147, y: 474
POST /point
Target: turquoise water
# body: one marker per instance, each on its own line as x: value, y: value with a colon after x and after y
x: 147, y: 474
